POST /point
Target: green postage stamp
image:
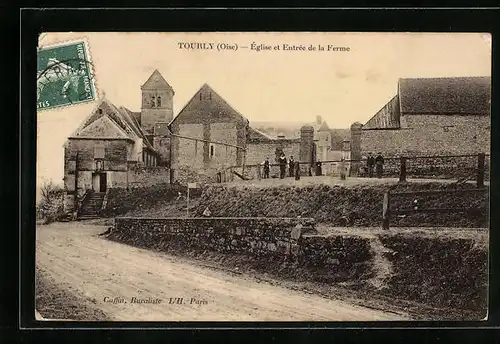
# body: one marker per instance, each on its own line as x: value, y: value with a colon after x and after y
x: 64, y: 75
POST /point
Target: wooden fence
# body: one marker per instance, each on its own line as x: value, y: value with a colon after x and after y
x: 417, y: 204
x: 459, y: 167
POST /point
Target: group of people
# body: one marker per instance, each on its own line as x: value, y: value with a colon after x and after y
x: 375, y: 163
x: 293, y: 167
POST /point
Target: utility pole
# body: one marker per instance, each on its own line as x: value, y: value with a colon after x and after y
x: 189, y: 186
x: 187, y: 207
x: 75, y: 201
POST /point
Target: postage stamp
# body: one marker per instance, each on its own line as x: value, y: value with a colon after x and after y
x: 64, y: 75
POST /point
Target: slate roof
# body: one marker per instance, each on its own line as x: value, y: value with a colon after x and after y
x: 258, y: 135
x: 111, y: 122
x: 103, y: 127
x: 388, y: 117
x: 457, y: 95
x: 137, y: 127
x: 323, y: 127
x: 156, y: 81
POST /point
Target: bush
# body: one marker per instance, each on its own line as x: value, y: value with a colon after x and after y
x: 359, y: 205
x: 50, y: 208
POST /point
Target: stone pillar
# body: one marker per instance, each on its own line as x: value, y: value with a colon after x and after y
x: 356, y: 131
x: 306, y: 150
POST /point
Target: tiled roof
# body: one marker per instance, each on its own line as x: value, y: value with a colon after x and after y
x: 457, y: 95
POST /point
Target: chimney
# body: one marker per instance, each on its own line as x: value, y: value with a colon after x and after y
x: 319, y: 120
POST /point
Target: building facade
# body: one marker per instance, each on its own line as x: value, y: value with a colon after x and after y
x: 429, y: 117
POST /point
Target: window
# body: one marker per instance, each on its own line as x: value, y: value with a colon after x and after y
x: 99, y: 151
x: 99, y: 165
x: 153, y: 101
x: 211, y: 150
x: 99, y: 111
x: 158, y: 101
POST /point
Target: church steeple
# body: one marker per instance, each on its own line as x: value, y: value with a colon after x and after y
x: 157, y: 102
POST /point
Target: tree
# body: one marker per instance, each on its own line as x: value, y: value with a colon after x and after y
x: 50, y: 208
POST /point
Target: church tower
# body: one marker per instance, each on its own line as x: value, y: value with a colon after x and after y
x: 157, y: 102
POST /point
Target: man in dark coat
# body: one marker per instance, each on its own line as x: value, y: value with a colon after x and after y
x: 266, y: 168
x: 379, y: 165
x: 282, y: 162
x: 291, y: 166
x: 370, y: 163
x: 319, y: 171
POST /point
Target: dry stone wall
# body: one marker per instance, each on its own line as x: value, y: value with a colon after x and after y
x: 257, y: 236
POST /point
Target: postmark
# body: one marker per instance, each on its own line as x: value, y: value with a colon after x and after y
x: 64, y: 75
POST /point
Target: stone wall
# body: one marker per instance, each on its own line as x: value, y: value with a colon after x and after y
x: 206, y: 117
x: 446, y: 274
x: 257, y: 236
x: 269, y: 243
x: 188, y: 152
x: 162, y: 146
x: 257, y: 152
x: 141, y: 176
x: 430, y: 135
x: 116, y: 154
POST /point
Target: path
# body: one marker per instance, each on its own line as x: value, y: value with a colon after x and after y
x: 79, y: 260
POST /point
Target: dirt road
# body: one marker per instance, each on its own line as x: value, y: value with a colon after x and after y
x: 113, y: 276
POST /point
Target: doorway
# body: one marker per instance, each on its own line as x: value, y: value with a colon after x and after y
x: 99, y: 182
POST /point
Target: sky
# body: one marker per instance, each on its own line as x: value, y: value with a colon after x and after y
x: 268, y: 85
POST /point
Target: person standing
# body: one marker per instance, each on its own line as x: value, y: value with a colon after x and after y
x: 291, y: 166
x: 266, y: 168
x: 297, y: 171
x: 370, y: 163
x: 319, y: 171
x: 342, y: 169
x: 282, y: 162
x: 379, y: 165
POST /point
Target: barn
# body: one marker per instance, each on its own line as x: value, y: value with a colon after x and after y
x: 429, y: 116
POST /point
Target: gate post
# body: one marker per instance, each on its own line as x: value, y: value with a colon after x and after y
x: 385, y: 210
x: 480, y: 170
x: 402, y: 171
